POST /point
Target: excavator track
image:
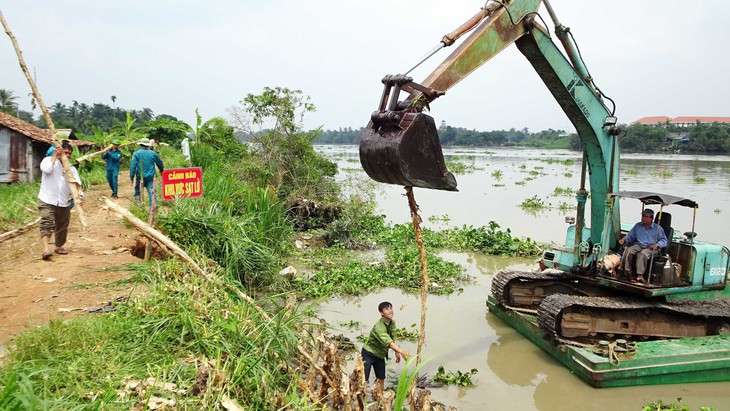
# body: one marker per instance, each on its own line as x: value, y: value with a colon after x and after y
x: 506, y: 282
x: 568, y: 318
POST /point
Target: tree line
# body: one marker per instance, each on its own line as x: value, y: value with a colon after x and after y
x: 459, y: 136
x: 91, y: 121
x: 701, y: 138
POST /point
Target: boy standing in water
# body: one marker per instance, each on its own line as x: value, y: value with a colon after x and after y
x: 375, y: 350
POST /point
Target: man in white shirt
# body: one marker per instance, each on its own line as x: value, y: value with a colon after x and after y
x: 55, y: 201
x: 185, y: 147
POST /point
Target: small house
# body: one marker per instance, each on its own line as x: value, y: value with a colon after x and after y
x: 23, y: 146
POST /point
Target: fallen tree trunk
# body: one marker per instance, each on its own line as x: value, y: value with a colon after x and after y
x: 150, y: 232
x: 18, y: 231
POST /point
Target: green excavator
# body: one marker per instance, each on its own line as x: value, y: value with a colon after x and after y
x: 579, y: 294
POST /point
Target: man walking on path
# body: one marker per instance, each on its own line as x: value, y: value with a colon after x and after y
x: 55, y: 201
x: 143, y: 167
x: 112, y: 155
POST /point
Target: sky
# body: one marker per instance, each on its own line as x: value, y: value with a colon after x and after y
x: 652, y: 57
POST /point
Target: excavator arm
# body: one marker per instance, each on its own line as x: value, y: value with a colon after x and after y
x: 400, y: 145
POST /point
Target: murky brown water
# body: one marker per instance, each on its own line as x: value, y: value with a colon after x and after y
x: 461, y: 334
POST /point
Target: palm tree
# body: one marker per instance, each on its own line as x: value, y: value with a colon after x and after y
x: 7, y: 101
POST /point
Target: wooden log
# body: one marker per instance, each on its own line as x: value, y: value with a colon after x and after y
x: 47, y: 116
x: 18, y: 231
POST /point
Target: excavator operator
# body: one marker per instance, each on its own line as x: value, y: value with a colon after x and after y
x: 646, y: 238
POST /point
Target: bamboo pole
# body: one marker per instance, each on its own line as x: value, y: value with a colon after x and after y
x: 424, y: 278
x: 424, y: 273
x: 96, y: 153
x: 47, y: 116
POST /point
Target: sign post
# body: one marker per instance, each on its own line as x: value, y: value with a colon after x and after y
x: 182, y: 183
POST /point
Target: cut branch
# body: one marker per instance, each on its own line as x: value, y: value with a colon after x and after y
x: 18, y: 231
x: 96, y: 153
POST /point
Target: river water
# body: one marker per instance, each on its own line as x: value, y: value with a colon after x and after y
x: 460, y: 332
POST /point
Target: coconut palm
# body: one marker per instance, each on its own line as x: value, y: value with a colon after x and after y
x: 7, y: 101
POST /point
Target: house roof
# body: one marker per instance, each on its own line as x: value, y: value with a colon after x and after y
x: 652, y: 120
x: 694, y: 119
x: 681, y: 119
x: 39, y: 134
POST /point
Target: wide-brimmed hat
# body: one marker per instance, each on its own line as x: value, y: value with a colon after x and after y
x: 145, y: 142
x: 648, y: 212
x: 116, y: 142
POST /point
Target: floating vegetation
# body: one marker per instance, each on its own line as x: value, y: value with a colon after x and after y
x: 565, y: 162
x: 534, y: 203
x: 351, y: 324
x: 353, y: 160
x: 402, y: 334
x: 444, y: 218
x: 458, y: 167
x: 563, y: 192
x: 351, y: 169
x: 718, y: 211
x: 631, y: 172
x: 522, y: 166
x: 569, y: 175
x: 520, y: 183
x: 700, y: 180
x: 498, y: 185
x: 454, y: 377
x: 665, y: 174
x: 401, y: 268
x: 497, y: 175
x: 659, y: 405
x: 563, y: 206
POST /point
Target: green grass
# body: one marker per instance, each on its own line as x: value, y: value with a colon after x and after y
x: 181, y: 324
x: 19, y: 205
x: 242, y: 228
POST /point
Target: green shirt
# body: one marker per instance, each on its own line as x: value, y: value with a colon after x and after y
x: 380, y: 338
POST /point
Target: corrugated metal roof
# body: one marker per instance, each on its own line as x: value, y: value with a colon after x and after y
x: 36, y: 133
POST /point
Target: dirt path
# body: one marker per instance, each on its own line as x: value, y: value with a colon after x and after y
x: 33, y: 291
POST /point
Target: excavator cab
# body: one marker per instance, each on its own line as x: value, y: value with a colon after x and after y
x: 400, y: 144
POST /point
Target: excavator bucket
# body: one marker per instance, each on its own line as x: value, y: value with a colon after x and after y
x: 406, y: 152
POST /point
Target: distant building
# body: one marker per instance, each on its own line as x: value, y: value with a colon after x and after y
x: 652, y: 121
x: 23, y: 146
x: 682, y: 121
